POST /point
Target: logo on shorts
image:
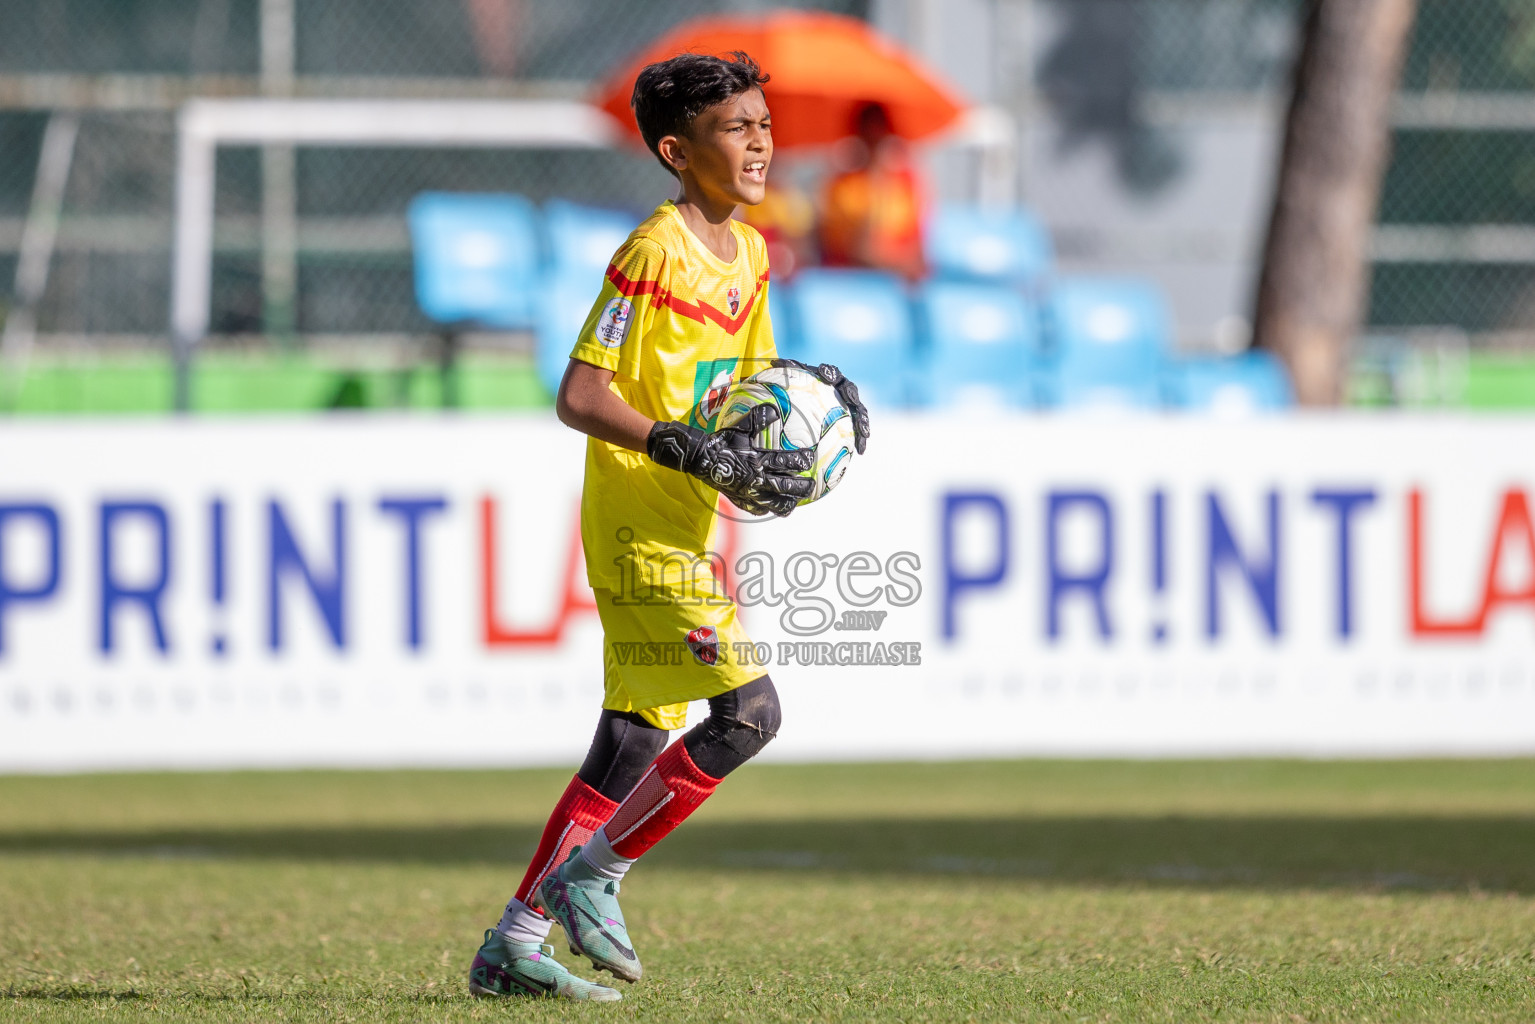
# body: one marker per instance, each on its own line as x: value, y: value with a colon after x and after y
x: 613, y: 325
x: 704, y: 642
x: 734, y: 298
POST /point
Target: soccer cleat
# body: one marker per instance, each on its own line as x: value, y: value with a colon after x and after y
x: 506, y: 968
x: 586, y: 906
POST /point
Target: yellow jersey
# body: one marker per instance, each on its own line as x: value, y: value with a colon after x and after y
x: 676, y: 325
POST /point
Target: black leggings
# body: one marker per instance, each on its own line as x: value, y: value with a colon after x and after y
x: 740, y: 723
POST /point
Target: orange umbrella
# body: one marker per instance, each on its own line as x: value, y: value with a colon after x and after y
x: 823, y: 68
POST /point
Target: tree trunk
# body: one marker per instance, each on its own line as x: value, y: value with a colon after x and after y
x: 1311, y: 295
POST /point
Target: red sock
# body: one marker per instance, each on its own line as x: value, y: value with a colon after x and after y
x: 669, y: 791
x: 575, y: 819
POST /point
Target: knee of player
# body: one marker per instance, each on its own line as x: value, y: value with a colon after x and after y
x: 757, y: 709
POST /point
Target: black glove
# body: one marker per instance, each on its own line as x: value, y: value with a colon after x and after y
x: 847, y: 392
x: 755, y: 479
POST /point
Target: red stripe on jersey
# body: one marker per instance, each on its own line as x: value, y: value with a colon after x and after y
x: 699, y: 311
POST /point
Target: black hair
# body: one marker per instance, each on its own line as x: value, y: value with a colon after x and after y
x: 670, y: 94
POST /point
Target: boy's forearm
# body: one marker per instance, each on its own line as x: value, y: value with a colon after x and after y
x: 613, y: 420
x: 585, y: 403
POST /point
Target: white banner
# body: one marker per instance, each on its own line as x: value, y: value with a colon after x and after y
x: 382, y: 591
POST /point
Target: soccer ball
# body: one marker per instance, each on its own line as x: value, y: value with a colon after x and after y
x: 810, y: 415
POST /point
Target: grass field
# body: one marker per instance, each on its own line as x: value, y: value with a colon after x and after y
x: 1020, y: 891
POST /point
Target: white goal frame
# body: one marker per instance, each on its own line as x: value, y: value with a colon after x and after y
x: 204, y: 125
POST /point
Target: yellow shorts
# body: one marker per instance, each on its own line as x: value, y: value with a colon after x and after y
x: 673, y: 648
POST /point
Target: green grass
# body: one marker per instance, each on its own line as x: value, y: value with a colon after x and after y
x: 1504, y: 381
x: 1018, y: 891
x: 259, y: 383
x: 224, y: 382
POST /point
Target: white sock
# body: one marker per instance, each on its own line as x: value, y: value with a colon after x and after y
x: 521, y: 923
x: 599, y: 856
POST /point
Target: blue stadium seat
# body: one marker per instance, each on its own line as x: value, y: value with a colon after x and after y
x: 859, y: 320
x: 582, y: 239
x: 981, y: 344
x: 476, y: 258
x: 1065, y: 387
x: 780, y: 311
x: 975, y: 243
x: 1108, y: 339
x: 1251, y: 382
x: 1114, y: 327
x: 563, y: 304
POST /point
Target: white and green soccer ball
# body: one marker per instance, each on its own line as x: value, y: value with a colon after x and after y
x: 809, y: 416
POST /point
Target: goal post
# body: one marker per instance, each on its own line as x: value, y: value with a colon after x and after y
x: 204, y: 125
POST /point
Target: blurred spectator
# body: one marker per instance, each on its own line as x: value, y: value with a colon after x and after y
x: 872, y: 214
x: 786, y: 218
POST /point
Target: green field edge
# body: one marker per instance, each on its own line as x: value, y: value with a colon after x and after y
x: 228, y: 383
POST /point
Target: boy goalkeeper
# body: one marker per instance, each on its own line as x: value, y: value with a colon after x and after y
x: 682, y: 314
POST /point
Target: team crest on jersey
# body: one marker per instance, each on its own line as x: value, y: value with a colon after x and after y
x: 733, y: 296
x: 613, y: 325
x: 704, y: 642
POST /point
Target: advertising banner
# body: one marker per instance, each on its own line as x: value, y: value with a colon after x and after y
x: 400, y: 591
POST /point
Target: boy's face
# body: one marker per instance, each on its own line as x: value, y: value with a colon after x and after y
x: 728, y: 149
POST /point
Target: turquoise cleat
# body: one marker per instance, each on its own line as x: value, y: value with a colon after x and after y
x: 505, y: 968
x: 586, y: 906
